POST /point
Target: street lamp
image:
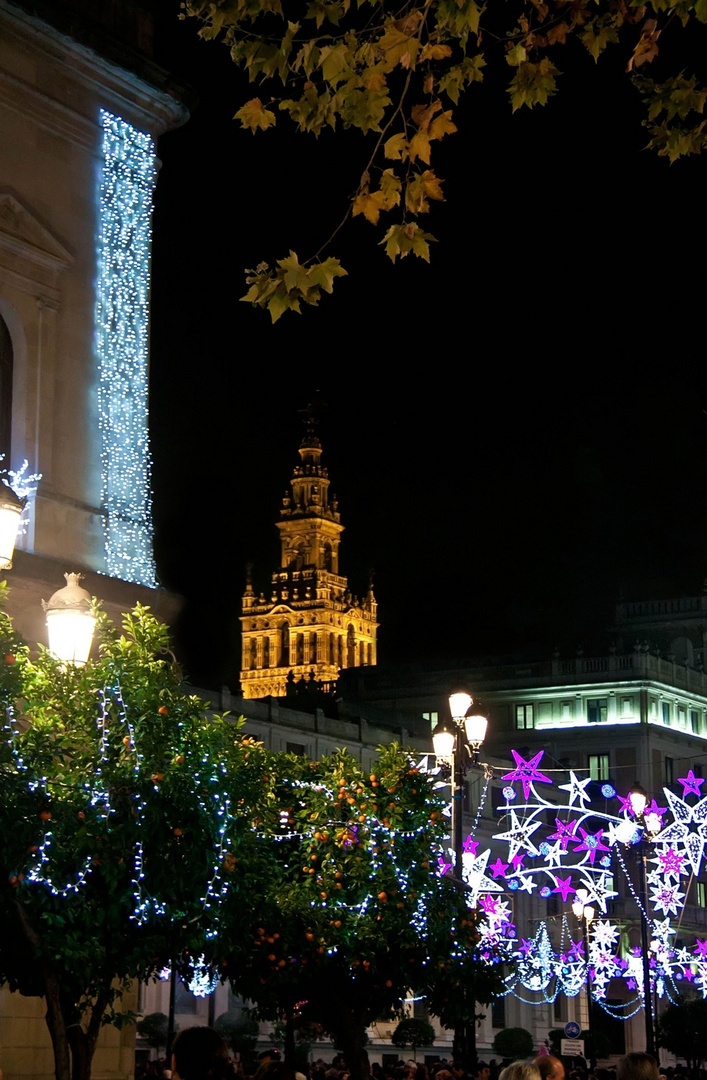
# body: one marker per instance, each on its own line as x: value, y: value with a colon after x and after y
x: 70, y: 622
x: 466, y: 733
x: 457, y: 746
x: 585, y: 913
x: 11, y: 507
x: 649, y: 824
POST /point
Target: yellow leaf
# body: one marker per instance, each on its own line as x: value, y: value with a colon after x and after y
x: 395, y: 147
x: 435, y: 52
x: 441, y: 126
x: 399, y: 48
x: 420, y: 147
x: 252, y: 115
x: 432, y: 185
x: 422, y: 114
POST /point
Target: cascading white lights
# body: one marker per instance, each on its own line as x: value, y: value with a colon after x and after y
x: 127, y: 181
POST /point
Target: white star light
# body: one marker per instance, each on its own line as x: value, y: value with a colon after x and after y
x: 576, y: 789
x: 474, y: 874
x: 680, y: 833
x: 518, y: 836
x: 666, y: 898
x: 599, y: 891
x: 605, y: 933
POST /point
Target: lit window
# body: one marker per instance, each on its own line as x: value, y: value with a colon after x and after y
x: 665, y: 711
x: 432, y: 718
x: 597, y: 710
x: 701, y: 892
x: 682, y: 716
x: 525, y: 719
x: 627, y: 706
x: 695, y: 721
x: 599, y: 766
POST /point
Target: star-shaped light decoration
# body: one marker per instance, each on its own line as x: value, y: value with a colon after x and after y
x: 598, y: 889
x: 670, y: 862
x: 688, y: 830
x: 591, y: 843
x: 563, y: 886
x: 526, y: 772
x: 474, y: 874
x: 564, y: 832
x: 498, y: 869
x: 605, y: 933
x: 576, y: 789
x: 518, y: 836
x: 691, y: 784
x: 666, y: 898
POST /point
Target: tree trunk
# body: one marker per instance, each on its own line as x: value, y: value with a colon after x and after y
x: 348, y: 1027
x: 83, y: 1043
x: 471, y: 1053
x: 52, y: 996
x: 290, y: 1050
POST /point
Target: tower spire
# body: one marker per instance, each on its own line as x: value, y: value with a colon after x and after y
x: 312, y: 626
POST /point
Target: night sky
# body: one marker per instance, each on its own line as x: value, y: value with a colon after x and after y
x: 517, y: 433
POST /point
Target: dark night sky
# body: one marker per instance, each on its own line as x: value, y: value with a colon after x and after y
x: 517, y: 433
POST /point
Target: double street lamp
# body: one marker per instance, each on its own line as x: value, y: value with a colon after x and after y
x: 585, y: 913
x: 649, y: 824
x: 457, y: 746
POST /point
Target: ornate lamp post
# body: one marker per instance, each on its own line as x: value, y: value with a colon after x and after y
x: 11, y: 507
x: 649, y: 825
x: 70, y: 622
x: 585, y: 913
x: 457, y: 746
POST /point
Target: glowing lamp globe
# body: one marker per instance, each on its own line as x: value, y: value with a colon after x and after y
x: 459, y: 704
x: 443, y: 740
x: 11, y: 507
x: 638, y: 799
x: 70, y: 622
x: 476, y: 730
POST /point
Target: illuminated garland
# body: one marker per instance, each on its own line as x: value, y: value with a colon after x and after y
x: 559, y: 844
x: 121, y: 325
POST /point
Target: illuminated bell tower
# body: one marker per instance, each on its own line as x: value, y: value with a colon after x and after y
x: 311, y: 626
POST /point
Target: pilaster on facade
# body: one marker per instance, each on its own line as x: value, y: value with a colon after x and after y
x: 311, y: 625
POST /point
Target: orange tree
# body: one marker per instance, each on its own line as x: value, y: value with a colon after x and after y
x: 126, y: 821
x: 394, y: 72
x: 356, y: 914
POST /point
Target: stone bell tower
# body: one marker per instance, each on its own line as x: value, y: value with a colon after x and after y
x: 311, y: 626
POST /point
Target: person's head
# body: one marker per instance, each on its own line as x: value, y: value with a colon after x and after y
x: 520, y: 1070
x: 199, y: 1053
x: 483, y: 1072
x: 549, y: 1067
x: 637, y: 1066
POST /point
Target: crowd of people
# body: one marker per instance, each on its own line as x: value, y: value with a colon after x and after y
x: 199, y: 1053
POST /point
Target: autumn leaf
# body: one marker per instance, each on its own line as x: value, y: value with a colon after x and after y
x: 420, y: 147
x: 533, y: 84
x: 403, y: 239
x: 399, y: 48
x: 435, y: 52
x: 396, y: 147
x: 422, y: 187
x: 253, y: 116
x: 647, y: 45
x: 597, y: 36
x: 442, y: 125
x: 461, y: 75
x: 334, y: 60
x: 387, y: 196
x: 322, y: 274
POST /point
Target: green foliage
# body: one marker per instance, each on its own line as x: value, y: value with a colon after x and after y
x: 240, y: 1032
x: 153, y: 1028
x: 515, y: 1042
x: 282, y: 289
x: 414, y: 1033
x: 383, y: 69
x: 681, y: 1029
x: 124, y: 810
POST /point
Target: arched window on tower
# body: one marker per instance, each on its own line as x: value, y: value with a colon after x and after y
x: 328, y: 556
x: 351, y: 647
x: 285, y: 645
x: 6, y: 364
x: 266, y: 652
